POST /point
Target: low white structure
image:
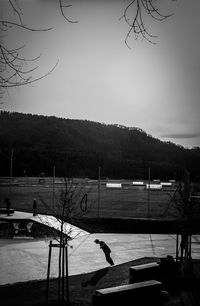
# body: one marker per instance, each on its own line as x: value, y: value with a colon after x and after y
x: 138, y: 183
x: 166, y: 184
x: 154, y: 186
x: 113, y: 185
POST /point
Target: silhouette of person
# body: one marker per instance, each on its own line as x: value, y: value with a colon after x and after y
x: 34, y: 207
x: 8, y: 204
x: 105, y: 248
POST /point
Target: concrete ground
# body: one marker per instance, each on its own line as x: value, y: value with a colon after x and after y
x: 26, y: 259
x: 23, y: 260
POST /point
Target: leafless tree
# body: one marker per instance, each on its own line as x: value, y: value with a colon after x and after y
x: 13, y: 65
x: 180, y: 199
x: 70, y: 203
x: 13, y: 72
x: 175, y: 206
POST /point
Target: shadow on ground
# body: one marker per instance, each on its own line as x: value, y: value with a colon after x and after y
x: 95, y: 278
x: 183, y: 291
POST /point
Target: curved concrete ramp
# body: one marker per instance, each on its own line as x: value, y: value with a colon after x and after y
x: 19, y: 217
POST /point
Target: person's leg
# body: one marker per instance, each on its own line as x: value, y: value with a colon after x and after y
x: 109, y: 259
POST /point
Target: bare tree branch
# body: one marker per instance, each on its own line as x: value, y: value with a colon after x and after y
x: 135, y: 21
x: 67, y: 208
x: 10, y: 82
x: 12, y: 63
x: 64, y: 6
x: 6, y: 23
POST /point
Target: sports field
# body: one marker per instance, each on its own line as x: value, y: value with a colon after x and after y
x: 126, y: 202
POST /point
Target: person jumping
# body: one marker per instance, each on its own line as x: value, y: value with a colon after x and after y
x: 105, y: 248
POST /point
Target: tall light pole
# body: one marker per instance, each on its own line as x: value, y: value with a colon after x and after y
x: 11, y: 163
x: 99, y: 186
x: 54, y: 171
x: 11, y: 169
x: 149, y: 175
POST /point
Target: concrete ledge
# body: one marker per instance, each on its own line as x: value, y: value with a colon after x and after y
x: 131, y: 294
x: 144, y: 272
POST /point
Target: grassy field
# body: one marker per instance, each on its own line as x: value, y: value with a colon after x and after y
x: 126, y: 202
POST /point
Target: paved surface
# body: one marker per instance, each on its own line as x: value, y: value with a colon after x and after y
x: 23, y: 260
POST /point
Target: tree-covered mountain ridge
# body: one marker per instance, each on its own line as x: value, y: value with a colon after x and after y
x: 79, y: 147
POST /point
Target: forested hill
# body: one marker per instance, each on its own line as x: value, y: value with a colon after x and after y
x: 78, y: 147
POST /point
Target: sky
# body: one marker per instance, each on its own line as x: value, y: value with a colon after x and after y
x: 154, y: 87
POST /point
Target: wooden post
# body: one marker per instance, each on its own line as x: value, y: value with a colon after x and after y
x: 67, y: 276
x: 48, y: 272
x: 59, y: 271
x: 63, y: 272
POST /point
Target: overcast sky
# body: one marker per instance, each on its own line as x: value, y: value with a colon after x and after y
x: 98, y: 78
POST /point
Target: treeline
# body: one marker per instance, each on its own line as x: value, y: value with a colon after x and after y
x: 78, y: 147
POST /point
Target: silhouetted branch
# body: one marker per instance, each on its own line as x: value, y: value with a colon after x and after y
x: 135, y: 20
x: 67, y: 207
x: 12, y: 64
x: 64, y: 6
x: 13, y: 73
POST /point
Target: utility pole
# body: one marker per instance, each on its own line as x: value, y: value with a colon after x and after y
x: 186, y: 198
x: 11, y: 163
x: 11, y: 170
x: 149, y: 175
x: 54, y: 171
x: 99, y: 186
